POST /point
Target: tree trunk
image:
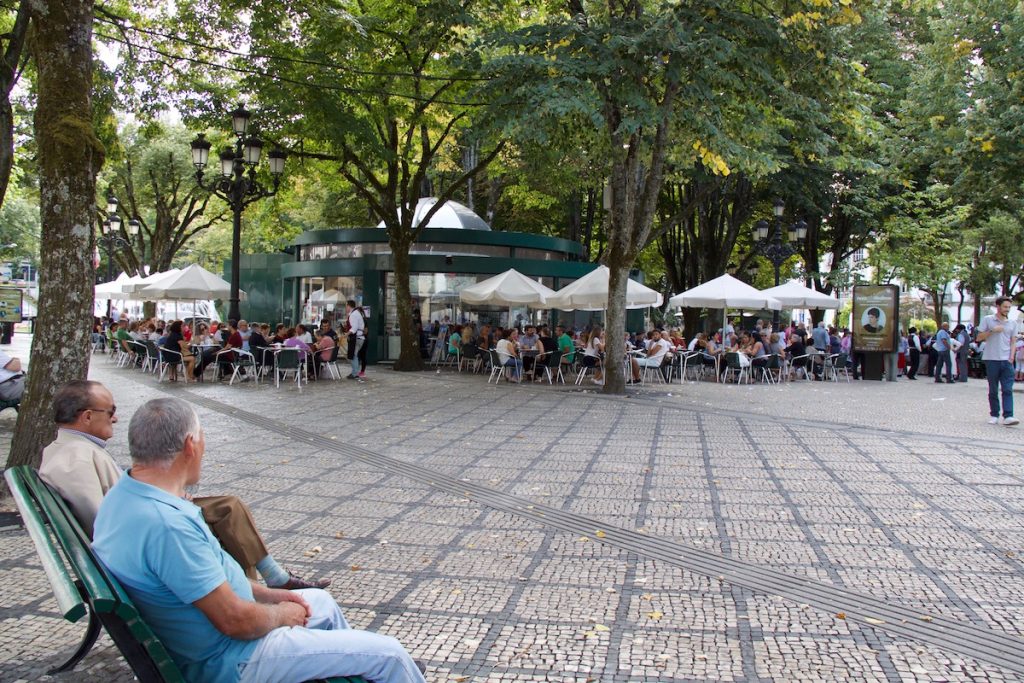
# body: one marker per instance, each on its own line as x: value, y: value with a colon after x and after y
x: 69, y: 156
x: 615, y: 333
x: 6, y: 145
x: 409, y: 360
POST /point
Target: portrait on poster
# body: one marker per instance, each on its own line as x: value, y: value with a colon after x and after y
x: 874, y: 318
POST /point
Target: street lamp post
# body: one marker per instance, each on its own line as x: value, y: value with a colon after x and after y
x: 110, y: 238
x: 776, y: 247
x: 237, y: 184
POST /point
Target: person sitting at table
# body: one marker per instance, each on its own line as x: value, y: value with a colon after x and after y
x: 656, y: 353
x: 302, y: 332
x: 468, y: 333
x: 483, y: 338
x: 529, y: 348
x: 529, y: 341
x: 326, y: 328
x: 547, y: 346
x: 175, y: 341
x: 232, y: 340
x: 709, y: 351
x: 455, y: 341
x: 278, y: 336
x: 508, y: 356
x: 201, y: 335
x: 593, y: 349
x: 754, y: 350
x: 797, y: 352
x: 291, y: 340
x: 258, y: 342
x: 565, y: 345
x: 324, y: 348
x: 775, y: 346
x: 695, y: 343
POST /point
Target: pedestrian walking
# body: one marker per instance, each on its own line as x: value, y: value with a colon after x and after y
x: 963, y: 338
x: 914, y: 343
x: 942, y: 345
x: 999, y: 332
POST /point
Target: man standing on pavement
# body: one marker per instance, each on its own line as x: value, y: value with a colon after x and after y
x: 998, y: 333
x: 356, y: 337
x: 78, y: 466
x: 942, y: 345
x: 218, y: 626
x: 914, y: 343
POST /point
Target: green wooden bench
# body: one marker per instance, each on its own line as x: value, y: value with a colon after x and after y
x: 83, y: 586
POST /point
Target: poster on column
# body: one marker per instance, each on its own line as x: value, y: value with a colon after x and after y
x: 875, y: 317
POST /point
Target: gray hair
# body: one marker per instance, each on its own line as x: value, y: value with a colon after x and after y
x: 158, y: 429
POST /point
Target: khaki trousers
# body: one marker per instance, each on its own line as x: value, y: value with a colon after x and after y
x: 232, y: 523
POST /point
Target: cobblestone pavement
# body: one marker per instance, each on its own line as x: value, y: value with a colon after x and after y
x: 818, y: 532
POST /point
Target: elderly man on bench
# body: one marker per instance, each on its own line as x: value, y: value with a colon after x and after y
x: 80, y: 469
x: 217, y: 625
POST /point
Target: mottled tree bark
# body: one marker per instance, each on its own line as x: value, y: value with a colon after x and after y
x: 69, y: 157
x: 409, y: 359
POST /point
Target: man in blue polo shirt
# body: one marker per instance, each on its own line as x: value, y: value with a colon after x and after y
x: 217, y: 625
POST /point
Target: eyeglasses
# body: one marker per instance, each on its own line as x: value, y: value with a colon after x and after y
x: 109, y: 411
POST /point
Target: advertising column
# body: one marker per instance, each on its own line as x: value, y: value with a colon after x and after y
x: 875, y: 325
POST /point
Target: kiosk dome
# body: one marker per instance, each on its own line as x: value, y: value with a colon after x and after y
x: 451, y: 215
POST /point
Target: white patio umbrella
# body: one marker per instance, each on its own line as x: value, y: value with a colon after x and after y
x: 590, y: 293
x: 112, y: 289
x: 322, y: 297
x: 137, y: 284
x: 795, y: 295
x: 725, y: 292
x: 194, y: 282
x: 128, y: 286
x: 507, y: 289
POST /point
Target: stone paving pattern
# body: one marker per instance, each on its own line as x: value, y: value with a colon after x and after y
x: 798, y: 478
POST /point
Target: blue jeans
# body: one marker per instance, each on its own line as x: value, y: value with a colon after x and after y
x: 517, y: 364
x: 327, y: 647
x: 355, y: 355
x: 1000, y: 380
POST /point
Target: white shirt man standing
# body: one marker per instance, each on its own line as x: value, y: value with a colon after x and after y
x: 998, y: 333
x: 356, y: 336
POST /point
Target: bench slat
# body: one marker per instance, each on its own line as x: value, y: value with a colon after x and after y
x: 69, y: 601
x: 75, y: 545
x: 48, y: 518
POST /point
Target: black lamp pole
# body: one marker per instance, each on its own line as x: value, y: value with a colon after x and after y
x: 111, y: 238
x: 237, y: 184
x: 776, y: 247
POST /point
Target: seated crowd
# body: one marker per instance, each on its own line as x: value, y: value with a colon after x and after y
x: 198, y: 347
x: 795, y: 347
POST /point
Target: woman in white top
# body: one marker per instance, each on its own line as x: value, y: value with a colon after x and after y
x: 507, y: 354
x: 592, y: 351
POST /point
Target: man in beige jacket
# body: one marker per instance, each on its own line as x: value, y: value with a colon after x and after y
x: 78, y: 466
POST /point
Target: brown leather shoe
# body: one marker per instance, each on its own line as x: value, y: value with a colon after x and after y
x: 295, y: 583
